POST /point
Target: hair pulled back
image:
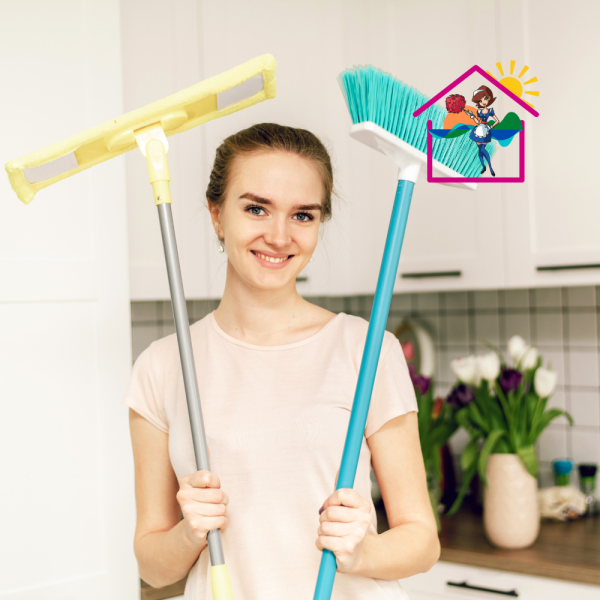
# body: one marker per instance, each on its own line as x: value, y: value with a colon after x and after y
x: 269, y: 137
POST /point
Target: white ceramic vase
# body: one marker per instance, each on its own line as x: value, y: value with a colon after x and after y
x: 511, y: 514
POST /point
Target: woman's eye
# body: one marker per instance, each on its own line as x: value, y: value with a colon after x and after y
x: 255, y: 210
x: 304, y: 217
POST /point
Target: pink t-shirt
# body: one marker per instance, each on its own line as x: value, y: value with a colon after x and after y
x: 276, y: 419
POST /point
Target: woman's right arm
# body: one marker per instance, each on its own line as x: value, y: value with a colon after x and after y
x: 165, y: 546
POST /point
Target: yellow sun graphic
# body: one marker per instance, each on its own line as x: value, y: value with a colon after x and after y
x: 513, y: 84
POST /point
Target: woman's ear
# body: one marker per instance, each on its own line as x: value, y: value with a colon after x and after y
x: 215, y: 213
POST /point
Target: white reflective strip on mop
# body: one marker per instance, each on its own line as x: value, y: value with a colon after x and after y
x: 52, y: 169
x: 240, y: 92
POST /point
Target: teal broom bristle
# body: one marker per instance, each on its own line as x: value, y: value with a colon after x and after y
x: 373, y: 95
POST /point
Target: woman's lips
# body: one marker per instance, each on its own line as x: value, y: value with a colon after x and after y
x: 272, y: 262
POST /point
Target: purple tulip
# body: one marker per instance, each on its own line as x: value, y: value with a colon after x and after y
x: 510, y: 380
x: 460, y: 396
x: 420, y: 382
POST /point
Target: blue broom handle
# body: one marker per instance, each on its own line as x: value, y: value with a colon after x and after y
x: 368, y: 367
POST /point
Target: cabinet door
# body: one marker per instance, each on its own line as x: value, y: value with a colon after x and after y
x: 67, y: 514
x: 449, y: 230
x: 552, y: 219
x: 160, y: 57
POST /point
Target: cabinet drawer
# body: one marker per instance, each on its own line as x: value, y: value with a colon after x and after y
x: 433, y: 585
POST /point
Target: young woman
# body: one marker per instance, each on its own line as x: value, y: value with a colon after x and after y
x: 276, y: 376
x: 482, y: 134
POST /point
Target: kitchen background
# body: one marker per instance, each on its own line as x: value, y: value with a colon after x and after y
x: 84, y: 287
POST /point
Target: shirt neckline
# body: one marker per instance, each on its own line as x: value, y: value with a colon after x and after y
x: 229, y: 338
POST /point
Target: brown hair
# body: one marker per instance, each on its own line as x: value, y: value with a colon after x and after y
x: 266, y: 137
x: 480, y: 93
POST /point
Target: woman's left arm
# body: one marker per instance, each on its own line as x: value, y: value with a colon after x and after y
x: 411, y: 545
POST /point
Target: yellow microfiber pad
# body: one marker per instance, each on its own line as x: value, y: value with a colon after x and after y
x: 216, y: 97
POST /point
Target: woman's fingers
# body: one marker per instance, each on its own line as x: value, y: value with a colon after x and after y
x: 203, y: 504
x: 343, y: 514
x: 348, y: 497
x: 212, y: 495
x: 202, y: 479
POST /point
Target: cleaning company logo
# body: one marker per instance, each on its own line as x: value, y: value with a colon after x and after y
x: 481, y: 123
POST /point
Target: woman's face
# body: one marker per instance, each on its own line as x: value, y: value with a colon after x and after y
x: 270, y: 217
x: 484, y: 101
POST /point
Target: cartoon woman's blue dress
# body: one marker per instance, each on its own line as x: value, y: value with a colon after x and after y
x: 482, y: 133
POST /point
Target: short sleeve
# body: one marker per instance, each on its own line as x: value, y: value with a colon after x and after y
x: 393, y: 392
x: 143, y: 395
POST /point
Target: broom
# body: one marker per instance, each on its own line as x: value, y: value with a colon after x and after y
x: 381, y: 108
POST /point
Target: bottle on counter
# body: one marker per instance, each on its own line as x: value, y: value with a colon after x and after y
x: 562, y: 471
x: 587, y: 484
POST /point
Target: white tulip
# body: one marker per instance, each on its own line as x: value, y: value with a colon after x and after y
x: 488, y: 366
x: 466, y: 370
x: 516, y: 348
x: 529, y: 357
x: 544, y: 382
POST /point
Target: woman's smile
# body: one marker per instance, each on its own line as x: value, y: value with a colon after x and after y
x: 272, y: 261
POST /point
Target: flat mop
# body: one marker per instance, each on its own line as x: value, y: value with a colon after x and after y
x: 381, y: 108
x: 148, y: 129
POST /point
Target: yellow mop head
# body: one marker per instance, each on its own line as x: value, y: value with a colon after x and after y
x: 216, y: 97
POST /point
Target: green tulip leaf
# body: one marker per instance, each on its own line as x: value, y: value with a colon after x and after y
x: 529, y: 458
x: 488, y: 447
x: 469, y: 455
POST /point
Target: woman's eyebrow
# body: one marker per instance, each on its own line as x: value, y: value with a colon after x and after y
x: 267, y: 202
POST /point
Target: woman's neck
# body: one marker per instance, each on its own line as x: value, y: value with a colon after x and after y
x: 267, y: 317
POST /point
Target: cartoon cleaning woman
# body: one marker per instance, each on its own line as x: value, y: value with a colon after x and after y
x: 482, y: 134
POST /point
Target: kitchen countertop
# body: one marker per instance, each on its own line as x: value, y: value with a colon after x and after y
x: 569, y: 551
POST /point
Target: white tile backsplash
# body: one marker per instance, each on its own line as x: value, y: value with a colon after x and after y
x: 427, y: 302
x: 515, y: 298
x: 487, y: 328
x: 457, y: 329
x: 517, y: 324
x: 456, y: 300
x: 552, y: 443
x: 585, y: 444
x: 581, y: 329
x: 486, y: 299
x: 583, y: 368
x: 581, y: 296
x: 548, y: 329
x: 584, y: 407
x: 547, y: 297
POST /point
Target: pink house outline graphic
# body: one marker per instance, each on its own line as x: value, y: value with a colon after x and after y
x: 476, y: 69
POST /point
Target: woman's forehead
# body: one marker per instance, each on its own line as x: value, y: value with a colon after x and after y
x: 277, y: 175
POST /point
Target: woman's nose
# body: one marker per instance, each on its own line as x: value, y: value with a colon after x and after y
x: 278, y: 233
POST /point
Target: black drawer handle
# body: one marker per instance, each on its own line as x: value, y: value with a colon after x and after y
x: 425, y: 274
x: 466, y: 586
x: 567, y: 267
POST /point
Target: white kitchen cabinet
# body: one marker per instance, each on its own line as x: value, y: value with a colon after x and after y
x: 67, y: 510
x: 433, y: 585
x: 552, y: 219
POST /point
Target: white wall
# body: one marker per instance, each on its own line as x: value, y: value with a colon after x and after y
x: 67, y: 508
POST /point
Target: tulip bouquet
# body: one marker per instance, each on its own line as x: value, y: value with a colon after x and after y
x: 501, y: 407
x: 436, y: 426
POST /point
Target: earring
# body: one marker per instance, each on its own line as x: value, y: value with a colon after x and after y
x: 312, y: 260
x: 221, y: 248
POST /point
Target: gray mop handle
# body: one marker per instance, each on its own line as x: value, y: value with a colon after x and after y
x: 186, y: 354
